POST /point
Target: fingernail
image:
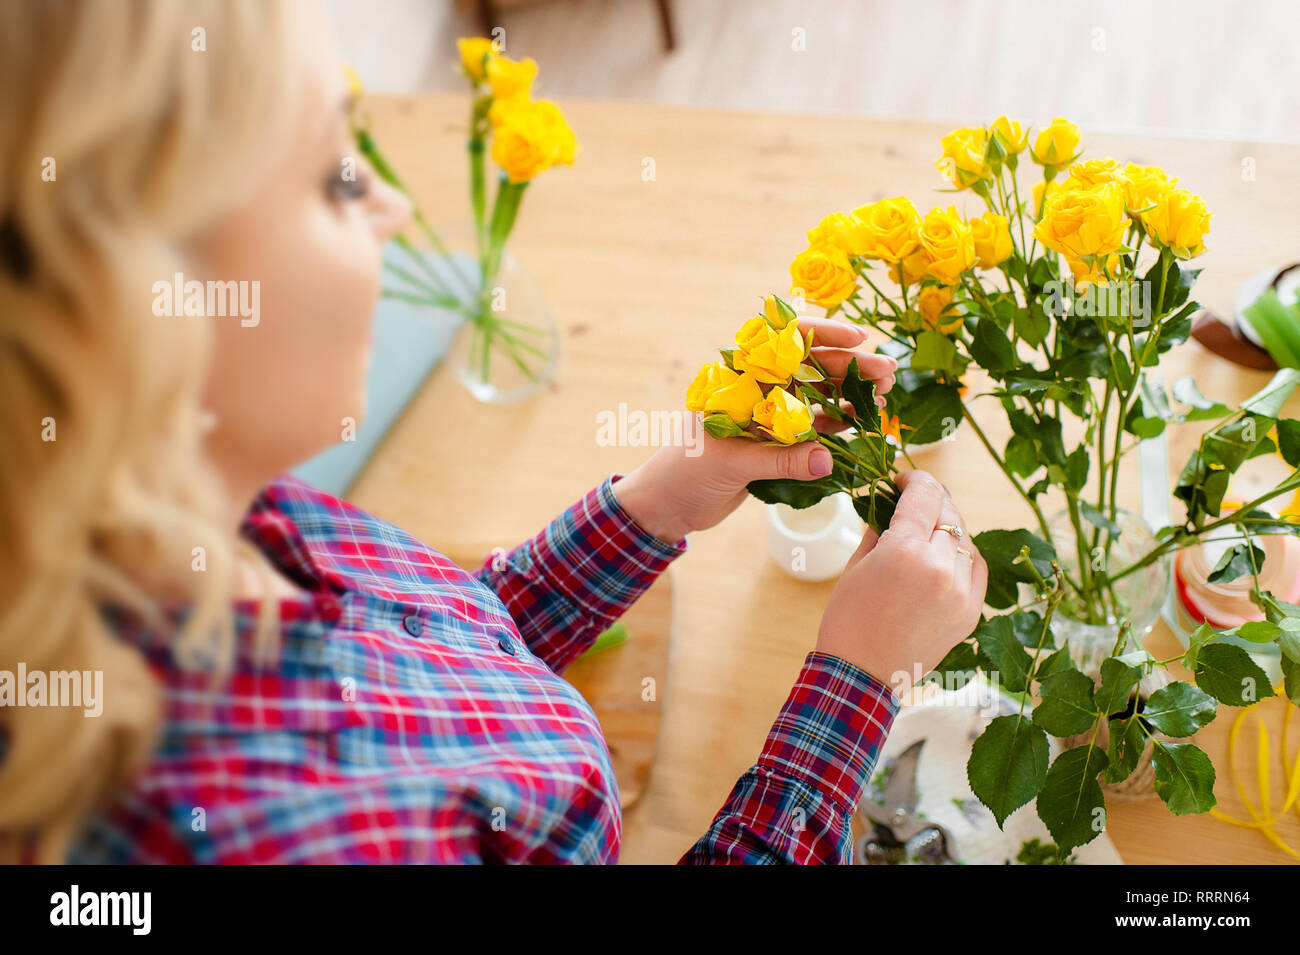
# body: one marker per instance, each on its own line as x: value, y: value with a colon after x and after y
x: 819, y: 462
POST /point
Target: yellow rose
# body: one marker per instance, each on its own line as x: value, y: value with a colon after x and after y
x: 913, y: 268
x: 510, y: 79
x: 1100, y: 272
x: 890, y: 228
x: 1093, y: 172
x: 963, y: 160
x: 1144, y: 186
x: 1179, y: 222
x: 530, y: 138
x: 770, y: 356
x: 823, y: 275
x: 719, y: 389
x: 948, y: 243
x: 841, y: 230
x: 783, y: 416
x: 1082, y: 222
x: 473, y: 51
x: 1009, y: 134
x: 1057, y: 144
x: 935, y: 306
x: 992, y: 237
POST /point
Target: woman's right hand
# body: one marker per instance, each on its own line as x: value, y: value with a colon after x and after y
x: 907, y: 596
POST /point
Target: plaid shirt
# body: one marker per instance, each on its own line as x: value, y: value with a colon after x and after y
x: 415, y: 712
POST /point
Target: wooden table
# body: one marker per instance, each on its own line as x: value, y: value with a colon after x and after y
x: 647, y: 279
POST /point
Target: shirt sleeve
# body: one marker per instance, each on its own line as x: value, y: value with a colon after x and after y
x: 796, y: 804
x: 578, y: 575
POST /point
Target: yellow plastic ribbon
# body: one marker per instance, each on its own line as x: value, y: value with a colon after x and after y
x: 1264, y: 818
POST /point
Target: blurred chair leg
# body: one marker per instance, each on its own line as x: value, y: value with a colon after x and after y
x: 666, y: 23
x: 487, y: 16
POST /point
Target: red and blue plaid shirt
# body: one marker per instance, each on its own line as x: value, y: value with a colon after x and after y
x: 415, y: 712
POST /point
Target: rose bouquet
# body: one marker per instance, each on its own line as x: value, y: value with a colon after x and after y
x: 1064, y: 295
x: 524, y: 137
x: 765, y: 390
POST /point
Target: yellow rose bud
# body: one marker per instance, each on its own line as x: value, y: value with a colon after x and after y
x: 841, y: 230
x: 1179, y: 222
x: 913, y: 268
x: 890, y: 229
x: 777, y: 313
x: 510, y: 79
x: 770, y: 356
x: 473, y: 52
x: 1009, y: 134
x: 992, y: 237
x: 719, y: 389
x: 783, y: 416
x: 1083, y: 222
x: 963, y: 160
x: 530, y: 138
x: 1057, y: 144
x: 1093, y: 172
x: 936, y: 308
x: 1100, y: 272
x: 948, y: 245
x: 1144, y: 186
x: 823, y: 276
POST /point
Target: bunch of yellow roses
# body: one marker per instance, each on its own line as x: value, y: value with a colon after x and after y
x: 1101, y: 210
x: 528, y: 136
x: 770, y: 351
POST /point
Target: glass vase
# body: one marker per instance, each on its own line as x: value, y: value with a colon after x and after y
x: 507, y: 345
x: 1138, y: 597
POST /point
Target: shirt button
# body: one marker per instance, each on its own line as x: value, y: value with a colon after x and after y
x: 412, y: 624
x: 507, y: 644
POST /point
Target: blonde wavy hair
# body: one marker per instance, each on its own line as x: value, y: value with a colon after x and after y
x: 129, y: 128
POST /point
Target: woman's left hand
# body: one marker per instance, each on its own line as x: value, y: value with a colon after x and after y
x: 694, y: 485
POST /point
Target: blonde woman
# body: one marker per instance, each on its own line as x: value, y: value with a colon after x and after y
x: 286, y: 678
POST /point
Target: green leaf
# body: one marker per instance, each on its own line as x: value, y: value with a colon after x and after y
x: 990, y: 347
x: 1228, y: 674
x: 1032, y: 323
x: 1008, y: 765
x: 931, y: 412
x: 1003, y: 652
x: 999, y: 549
x: 1291, y: 679
x: 1234, y: 442
x: 1118, y: 680
x: 1097, y: 519
x: 1198, y: 639
x: 1236, y: 562
x: 1258, y: 631
x: 1076, y: 468
x: 1203, y: 409
x: 1055, y: 662
x: 1071, y: 803
x: 1067, y: 705
x: 1184, y: 777
x: 797, y: 494
x: 1179, y: 709
x: 1288, y: 440
x: 958, y: 666
x: 1021, y: 456
x: 934, y: 351
x: 877, y: 509
x: 1125, y: 746
x: 861, y: 393
x: 1270, y: 399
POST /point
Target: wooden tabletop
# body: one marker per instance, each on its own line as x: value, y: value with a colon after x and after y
x: 648, y: 277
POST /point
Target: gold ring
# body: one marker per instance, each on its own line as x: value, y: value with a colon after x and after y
x: 967, y: 554
x: 952, y: 529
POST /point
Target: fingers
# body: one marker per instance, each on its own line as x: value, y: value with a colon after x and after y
x: 919, y: 506
x: 833, y: 332
x: 869, y: 539
x: 879, y: 368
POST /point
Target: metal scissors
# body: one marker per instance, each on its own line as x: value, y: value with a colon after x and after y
x: 896, y: 836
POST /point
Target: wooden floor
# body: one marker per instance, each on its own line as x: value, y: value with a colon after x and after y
x: 1190, y: 67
